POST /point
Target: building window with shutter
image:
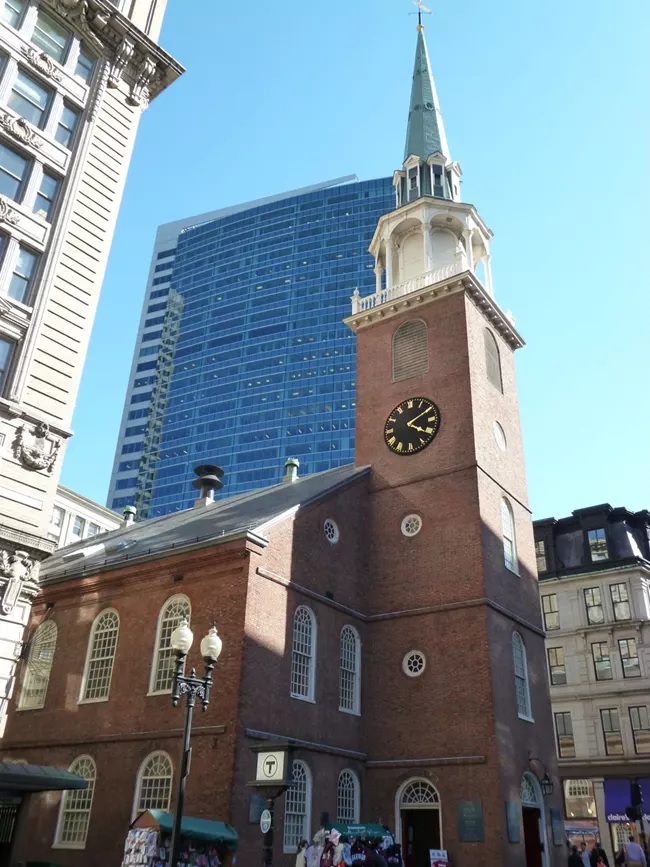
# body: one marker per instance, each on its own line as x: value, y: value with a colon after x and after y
x: 522, y: 689
x: 303, y: 654
x: 76, y: 805
x: 297, y: 807
x: 101, y: 655
x: 349, y: 670
x: 154, y: 786
x: 171, y: 614
x: 492, y: 359
x: 347, y: 798
x: 410, y: 350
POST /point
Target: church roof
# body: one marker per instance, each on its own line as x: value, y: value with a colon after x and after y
x: 222, y: 520
x: 425, y: 132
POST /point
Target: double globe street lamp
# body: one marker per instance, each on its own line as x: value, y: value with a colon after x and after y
x: 192, y: 687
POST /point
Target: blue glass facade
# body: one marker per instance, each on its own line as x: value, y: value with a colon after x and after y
x: 263, y: 367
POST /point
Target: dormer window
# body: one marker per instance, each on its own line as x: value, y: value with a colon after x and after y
x: 597, y: 545
x: 413, y: 181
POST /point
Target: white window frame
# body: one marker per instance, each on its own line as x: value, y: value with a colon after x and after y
x: 89, y: 653
x: 356, y: 672
x: 509, y: 534
x: 155, y: 662
x: 69, y: 796
x: 311, y: 678
x: 30, y: 676
x: 135, y: 812
x: 520, y: 656
x: 356, y: 797
x: 289, y: 847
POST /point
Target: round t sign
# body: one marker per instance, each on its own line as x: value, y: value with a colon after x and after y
x: 265, y: 821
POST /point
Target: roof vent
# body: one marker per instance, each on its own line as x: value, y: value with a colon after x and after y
x: 208, y: 481
x: 291, y: 470
x: 129, y: 516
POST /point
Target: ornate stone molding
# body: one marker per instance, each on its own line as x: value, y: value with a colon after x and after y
x: 121, y: 60
x: 20, y: 129
x: 41, y: 62
x: 36, y: 449
x: 7, y: 213
x: 146, y: 75
x: 17, y: 578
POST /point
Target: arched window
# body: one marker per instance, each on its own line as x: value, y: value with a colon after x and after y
x: 39, y: 666
x: 347, y: 798
x: 76, y: 804
x: 154, y: 785
x: 522, y: 689
x: 162, y: 672
x: 297, y: 807
x: 100, y: 656
x: 350, y: 671
x: 303, y: 654
x: 419, y: 794
x: 410, y: 350
x: 508, y: 534
x: 492, y: 359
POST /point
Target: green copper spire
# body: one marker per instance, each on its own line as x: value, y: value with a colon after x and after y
x: 425, y: 133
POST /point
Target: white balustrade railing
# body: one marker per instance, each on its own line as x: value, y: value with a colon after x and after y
x: 360, y: 304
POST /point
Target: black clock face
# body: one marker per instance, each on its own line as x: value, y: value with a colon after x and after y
x: 412, y: 425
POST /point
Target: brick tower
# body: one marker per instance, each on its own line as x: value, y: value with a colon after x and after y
x: 460, y: 740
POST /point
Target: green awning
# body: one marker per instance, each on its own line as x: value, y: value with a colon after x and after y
x: 194, y: 828
x: 21, y: 777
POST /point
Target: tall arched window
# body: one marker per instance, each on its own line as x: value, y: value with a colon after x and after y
x: 297, y: 807
x: 350, y: 671
x: 76, y: 804
x: 508, y: 535
x: 347, y: 798
x: 303, y: 654
x: 100, y: 656
x: 522, y: 689
x: 39, y: 666
x: 154, y: 785
x: 492, y: 359
x: 162, y: 671
x: 410, y: 350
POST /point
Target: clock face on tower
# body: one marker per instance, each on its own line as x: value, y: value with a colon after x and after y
x: 412, y: 425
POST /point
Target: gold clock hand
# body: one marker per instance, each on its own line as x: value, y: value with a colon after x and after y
x: 413, y: 420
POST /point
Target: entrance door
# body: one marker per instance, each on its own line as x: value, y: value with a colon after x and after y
x: 420, y: 832
x: 532, y: 839
x: 8, y: 814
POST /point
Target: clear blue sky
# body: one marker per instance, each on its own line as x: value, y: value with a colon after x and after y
x: 546, y: 108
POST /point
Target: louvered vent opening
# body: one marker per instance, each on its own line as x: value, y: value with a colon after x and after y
x: 410, y: 350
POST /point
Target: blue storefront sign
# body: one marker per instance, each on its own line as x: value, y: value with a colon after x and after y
x: 617, y: 798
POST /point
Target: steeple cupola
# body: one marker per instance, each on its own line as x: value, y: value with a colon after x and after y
x: 428, y: 167
x: 431, y: 236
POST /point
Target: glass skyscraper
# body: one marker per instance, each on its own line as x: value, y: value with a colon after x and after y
x: 242, y: 358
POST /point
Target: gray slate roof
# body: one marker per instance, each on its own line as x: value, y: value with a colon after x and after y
x: 225, y: 519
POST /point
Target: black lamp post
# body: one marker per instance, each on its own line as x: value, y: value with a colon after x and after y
x: 192, y: 687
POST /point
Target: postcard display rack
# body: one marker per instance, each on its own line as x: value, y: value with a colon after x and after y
x: 146, y: 847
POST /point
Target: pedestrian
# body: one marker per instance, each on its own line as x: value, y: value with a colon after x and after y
x: 574, y: 858
x: 633, y: 854
x: 584, y: 855
x: 373, y: 857
x: 599, y: 856
x: 301, y: 854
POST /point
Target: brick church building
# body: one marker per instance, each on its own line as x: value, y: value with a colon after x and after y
x: 383, y: 618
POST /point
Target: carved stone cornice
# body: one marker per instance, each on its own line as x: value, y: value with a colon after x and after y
x: 18, y: 128
x: 18, y: 578
x: 36, y: 449
x: 42, y: 62
x: 7, y: 213
x: 132, y: 52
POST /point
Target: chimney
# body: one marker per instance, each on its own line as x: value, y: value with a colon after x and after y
x: 129, y: 514
x: 291, y: 470
x: 208, y: 481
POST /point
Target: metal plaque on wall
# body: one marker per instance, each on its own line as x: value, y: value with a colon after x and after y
x: 470, y: 822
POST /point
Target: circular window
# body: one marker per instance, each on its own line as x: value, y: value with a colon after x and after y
x: 414, y: 663
x: 331, y: 531
x: 429, y: 106
x: 411, y: 525
x: 499, y: 436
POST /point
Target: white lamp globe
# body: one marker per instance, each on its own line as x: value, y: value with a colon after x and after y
x: 182, y: 637
x: 211, y: 645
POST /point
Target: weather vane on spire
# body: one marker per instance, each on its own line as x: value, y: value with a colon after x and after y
x: 421, y: 8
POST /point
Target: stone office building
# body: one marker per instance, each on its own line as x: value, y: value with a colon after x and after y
x: 75, y: 76
x: 594, y: 582
x: 383, y: 617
